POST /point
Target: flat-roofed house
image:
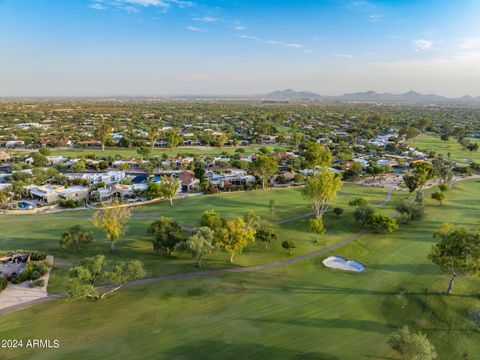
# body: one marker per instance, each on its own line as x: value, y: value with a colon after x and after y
x: 75, y: 193
x: 48, y: 194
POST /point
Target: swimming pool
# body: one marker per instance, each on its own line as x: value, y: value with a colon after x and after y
x: 25, y: 205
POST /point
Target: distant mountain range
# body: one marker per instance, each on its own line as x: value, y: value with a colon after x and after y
x: 368, y: 96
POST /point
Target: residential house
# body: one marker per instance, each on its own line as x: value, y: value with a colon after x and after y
x: 5, y: 157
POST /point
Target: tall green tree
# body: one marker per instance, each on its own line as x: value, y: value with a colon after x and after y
x: 168, y: 234
x: 321, y: 190
x: 113, y: 221
x: 317, y: 227
x: 169, y: 187
x: 173, y: 138
x: 199, y: 244
x: 85, y: 278
x: 264, y: 166
x: 211, y: 219
x: 235, y: 236
x: 153, y: 135
x: 266, y: 234
x: 457, y: 253
x: 76, y: 237
x: 412, y: 346
x: 317, y: 155
x: 103, y: 133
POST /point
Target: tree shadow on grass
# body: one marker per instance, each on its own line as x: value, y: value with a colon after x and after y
x: 361, y: 325
x: 210, y: 349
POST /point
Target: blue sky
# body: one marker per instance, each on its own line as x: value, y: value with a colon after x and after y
x: 165, y: 47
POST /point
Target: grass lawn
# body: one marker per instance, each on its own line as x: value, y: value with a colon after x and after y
x: 457, y: 152
x: 209, y: 151
x: 301, y: 311
x: 42, y: 232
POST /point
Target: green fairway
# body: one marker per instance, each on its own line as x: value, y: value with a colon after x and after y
x: 300, y: 311
x: 42, y: 232
x: 457, y: 152
x: 132, y: 152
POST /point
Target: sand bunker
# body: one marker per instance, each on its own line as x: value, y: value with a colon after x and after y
x: 337, y: 262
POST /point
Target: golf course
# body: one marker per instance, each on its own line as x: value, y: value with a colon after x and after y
x: 457, y: 152
x: 301, y: 310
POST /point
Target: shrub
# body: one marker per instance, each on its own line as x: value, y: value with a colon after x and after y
x: 3, y: 282
x: 38, y: 255
x: 37, y: 283
x: 70, y: 204
x: 32, y: 271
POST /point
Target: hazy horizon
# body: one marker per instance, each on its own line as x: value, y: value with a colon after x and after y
x: 161, y: 48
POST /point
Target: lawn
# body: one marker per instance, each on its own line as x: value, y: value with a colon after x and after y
x: 42, y: 232
x: 125, y: 153
x: 457, y: 152
x: 300, y: 311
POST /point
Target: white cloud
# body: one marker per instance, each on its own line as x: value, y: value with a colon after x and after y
x: 273, y: 42
x: 136, y: 5
x: 249, y: 37
x: 375, y: 17
x: 97, y: 6
x: 207, y: 19
x: 196, y: 29
x: 422, y: 44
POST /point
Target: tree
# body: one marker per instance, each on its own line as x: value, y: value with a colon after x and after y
x: 338, y: 211
x: 363, y: 213
x: 199, y: 170
x: 457, y: 253
x: 39, y: 160
x: 317, y: 155
x: 439, y: 196
x: 113, y: 221
x: 414, y: 181
x: 412, y: 346
x: 316, y: 226
x: 221, y: 139
x: 424, y: 122
x: 234, y: 236
x: 45, y: 151
x: 211, y: 219
x: 103, y: 134
x: 168, y: 234
x: 374, y: 170
x: 85, y: 277
x: 173, y: 138
x: 153, y: 135
x: 321, y: 189
x: 289, y: 246
x: 76, y: 237
x: 169, y: 187
x: 471, y: 146
x: 144, y: 152
x: 271, y: 206
x: 79, y: 166
x: 266, y: 234
x: 154, y: 190
x: 382, y: 224
x: 264, y: 166
x: 358, y: 202
x: 199, y: 244
x: 410, y: 211
x: 443, y: 187
x: 251, y: 220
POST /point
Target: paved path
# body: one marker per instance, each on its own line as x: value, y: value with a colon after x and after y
x: 273, y: 264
